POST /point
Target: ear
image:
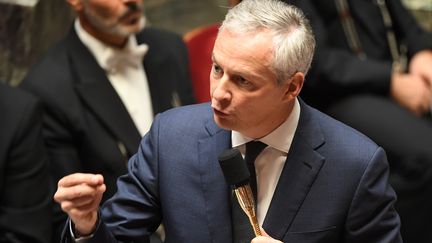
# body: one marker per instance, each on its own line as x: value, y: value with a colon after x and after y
x: 75, y: 4
x: 232, y: 3
x: 294, y: 85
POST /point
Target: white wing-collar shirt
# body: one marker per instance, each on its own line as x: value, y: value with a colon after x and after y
x: 126, y: 74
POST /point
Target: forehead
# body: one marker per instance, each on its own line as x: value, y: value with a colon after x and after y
x: 248, y: 49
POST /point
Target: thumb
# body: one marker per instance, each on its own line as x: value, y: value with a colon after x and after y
x: 264, y: 238
x: 100, y: 191
x: 264, y: 233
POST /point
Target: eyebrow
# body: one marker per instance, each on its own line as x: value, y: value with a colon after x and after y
x: 213, y: 58
x: 236, y: 73
x: 241, y: 74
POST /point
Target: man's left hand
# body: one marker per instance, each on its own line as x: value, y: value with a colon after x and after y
x: 265, y: 238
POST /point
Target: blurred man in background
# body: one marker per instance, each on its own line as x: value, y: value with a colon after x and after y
x: 101, y: 86
x: 373, y: 71
x: 25, y: 186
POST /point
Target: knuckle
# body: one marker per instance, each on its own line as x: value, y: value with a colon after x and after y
x: 78, y: 193
x: 65, y: 206
x: 57, y: 197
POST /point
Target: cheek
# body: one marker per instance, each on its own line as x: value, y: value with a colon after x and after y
x: 257, y: 107
x: 244, y: 106
x: 107, y: 10
x: 213, y: 84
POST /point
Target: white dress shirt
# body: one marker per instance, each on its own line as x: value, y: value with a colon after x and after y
x: 126, y: 74
x: 270, y: 162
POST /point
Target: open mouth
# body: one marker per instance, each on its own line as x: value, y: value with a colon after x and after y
x: 133, y: 21
x: 131, y: 17
x: 220, y: 113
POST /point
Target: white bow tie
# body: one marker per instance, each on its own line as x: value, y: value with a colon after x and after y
x: 119, y: 59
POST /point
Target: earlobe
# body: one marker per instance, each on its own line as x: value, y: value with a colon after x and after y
x: 295, y: 85
x: 75, y: 4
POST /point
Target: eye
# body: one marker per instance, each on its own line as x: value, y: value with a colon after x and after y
x: 217, y: 70
x: 242, y: 81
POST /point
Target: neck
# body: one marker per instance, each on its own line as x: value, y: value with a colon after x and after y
x: 107, y: 38
x: 275, y: 123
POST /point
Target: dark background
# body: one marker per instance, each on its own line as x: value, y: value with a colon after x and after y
x: 27, y: 31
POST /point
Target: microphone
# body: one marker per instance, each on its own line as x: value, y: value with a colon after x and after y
x: 237, y: 176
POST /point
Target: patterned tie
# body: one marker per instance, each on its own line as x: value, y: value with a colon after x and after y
x: 242, y: 230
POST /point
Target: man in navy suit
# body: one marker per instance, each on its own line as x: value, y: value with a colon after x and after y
x: 318, y: 180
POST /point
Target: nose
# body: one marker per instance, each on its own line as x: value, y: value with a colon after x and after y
x: 221, y: 90
x: 132, y: 4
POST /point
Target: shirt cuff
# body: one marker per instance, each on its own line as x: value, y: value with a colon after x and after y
x: 81, y: 239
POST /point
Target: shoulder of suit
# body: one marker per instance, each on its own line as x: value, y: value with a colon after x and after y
x: 189, y: 114
x: 198, y: 110
x: 192, y: 121
x: 334, y: 129
x: 17, y: 108
x: 15, y: 98
x: 52, y: 73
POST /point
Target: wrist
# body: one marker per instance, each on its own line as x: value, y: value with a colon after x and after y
x: 87, y: 228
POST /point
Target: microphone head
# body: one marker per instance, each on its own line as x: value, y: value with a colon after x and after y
x: 234, y: 168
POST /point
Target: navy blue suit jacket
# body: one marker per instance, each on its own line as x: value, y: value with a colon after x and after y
x: 333, y: 187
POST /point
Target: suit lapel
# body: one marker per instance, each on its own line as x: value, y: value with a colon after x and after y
x: 93, y: 86
x: 156, y: 72
x: 216, y: 191
x: 298, y: 175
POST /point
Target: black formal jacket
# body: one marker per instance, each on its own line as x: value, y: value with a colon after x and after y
x: 86, y: 126
x: 25, y: 189
x: 336, y: 71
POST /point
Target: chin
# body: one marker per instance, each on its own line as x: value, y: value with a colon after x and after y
x: 219, y: 122
x: 126, y: 30
x: 223, y: 123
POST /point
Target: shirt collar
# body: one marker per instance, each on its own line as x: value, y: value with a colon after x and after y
x: 280, y: 138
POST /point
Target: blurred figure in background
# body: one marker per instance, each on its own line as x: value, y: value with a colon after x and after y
x: 25, y: 187
x: 373, y: 71
x: 232, y: 3
x: 101, y: 86
x: 200, y: 42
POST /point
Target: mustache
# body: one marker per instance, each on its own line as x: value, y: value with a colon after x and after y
x: 132, y: 8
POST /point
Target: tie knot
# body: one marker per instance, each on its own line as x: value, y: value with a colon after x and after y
x: 253, y: 149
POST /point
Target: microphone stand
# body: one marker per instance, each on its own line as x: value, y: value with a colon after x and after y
x: 245, y: 198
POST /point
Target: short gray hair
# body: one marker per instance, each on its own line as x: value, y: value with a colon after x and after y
x: 293, y: 40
